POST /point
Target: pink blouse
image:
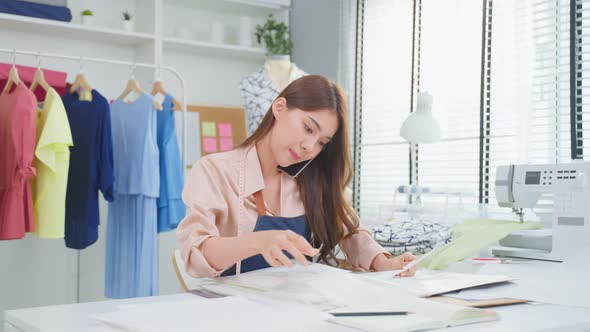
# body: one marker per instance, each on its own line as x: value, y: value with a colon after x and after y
x: 215, y: 207
x: 17, y: 142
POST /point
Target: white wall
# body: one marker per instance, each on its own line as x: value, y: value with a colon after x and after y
x: 316, y: 41
x: 323, y: 33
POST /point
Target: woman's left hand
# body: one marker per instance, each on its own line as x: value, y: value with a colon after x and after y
x: 383, y: 263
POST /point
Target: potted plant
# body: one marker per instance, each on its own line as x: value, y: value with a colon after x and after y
x: 275, y: 36
x: 127, y: 22
x: 87, y: 17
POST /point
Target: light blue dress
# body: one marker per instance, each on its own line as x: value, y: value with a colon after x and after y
x: 131, y: 258
x: 171, y: 209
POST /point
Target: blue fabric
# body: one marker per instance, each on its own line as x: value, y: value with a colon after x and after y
x: 131, y: 260
x: 135, y: 147
x: 38, y: 10
x: 171, y: 209
x: 298, y: 225
x: 91, y: 167
x: 131, y: 269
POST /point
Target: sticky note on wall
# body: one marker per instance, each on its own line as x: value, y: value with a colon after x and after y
x: 209, y: 145
x: 226, y: 143
x: 225, y: 129
x: 208, y: 129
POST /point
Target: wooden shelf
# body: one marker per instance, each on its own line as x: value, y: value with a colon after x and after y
x: 213, y: 48
x: 72, y: 30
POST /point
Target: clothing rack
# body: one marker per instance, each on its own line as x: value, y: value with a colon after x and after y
x: 133, y: 65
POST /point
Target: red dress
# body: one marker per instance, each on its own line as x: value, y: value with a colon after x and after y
x: 18, y: 117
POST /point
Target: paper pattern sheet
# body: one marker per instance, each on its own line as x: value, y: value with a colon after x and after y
x: 200, y: 314
x: 427, y: 282
x: 330, y: 289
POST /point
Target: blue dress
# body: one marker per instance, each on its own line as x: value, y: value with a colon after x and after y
x: 131, y: 258
x: 171, y: 209
x: 91, y: 167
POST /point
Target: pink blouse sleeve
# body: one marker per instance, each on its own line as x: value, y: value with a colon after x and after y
x: 360, y: 248
x: 203, y: 197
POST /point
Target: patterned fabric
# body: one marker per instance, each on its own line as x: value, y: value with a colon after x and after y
x: 259, y: 91
x: 414, y: 236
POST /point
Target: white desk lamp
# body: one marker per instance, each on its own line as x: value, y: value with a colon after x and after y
x: 420, y: 127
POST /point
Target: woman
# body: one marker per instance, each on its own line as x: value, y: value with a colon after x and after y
x: 244, y: 210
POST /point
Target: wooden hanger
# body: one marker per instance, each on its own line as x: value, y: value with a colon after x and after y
x: 133, y: 86
x: 13, y: 77
x: 159, y: 88
x: 80, y: 81
x: 39, y: 78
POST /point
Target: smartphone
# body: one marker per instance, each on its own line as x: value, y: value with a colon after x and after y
x: 295, y: 169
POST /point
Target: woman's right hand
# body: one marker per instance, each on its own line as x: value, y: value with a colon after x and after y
x: 270, y: 244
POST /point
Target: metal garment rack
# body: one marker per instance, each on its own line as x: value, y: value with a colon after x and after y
x: 133, y: 65
x: 156, y: 68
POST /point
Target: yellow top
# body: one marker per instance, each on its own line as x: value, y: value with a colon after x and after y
x: 52, y: 161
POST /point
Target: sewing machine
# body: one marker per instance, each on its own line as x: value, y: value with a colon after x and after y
x: 568, y: 228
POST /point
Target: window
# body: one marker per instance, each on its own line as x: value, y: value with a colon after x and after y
x: 530, y: 84
x: 385, y: 102
x: 450, y: 70
x: 510, y: 82
x: 582, y: 54
x: 446, y: 59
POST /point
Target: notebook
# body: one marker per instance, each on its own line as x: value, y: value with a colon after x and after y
x: 427, y: 315
x: 477, y: 303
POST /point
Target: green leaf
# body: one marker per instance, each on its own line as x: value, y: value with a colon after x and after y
x: 275, y: 36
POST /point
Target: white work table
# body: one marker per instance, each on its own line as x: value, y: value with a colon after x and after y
x: 521, y: 317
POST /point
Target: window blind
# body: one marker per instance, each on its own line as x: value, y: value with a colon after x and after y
x: 385, y: 102
x: 516, y: 91
x: 582, y: 83
x: 450, y: 62
x: 529, y: 88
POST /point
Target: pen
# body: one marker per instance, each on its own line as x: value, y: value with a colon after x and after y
x: 370, y: 313
x: 487, y: 260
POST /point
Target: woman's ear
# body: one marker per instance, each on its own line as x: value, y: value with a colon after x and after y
x: 279, y: 106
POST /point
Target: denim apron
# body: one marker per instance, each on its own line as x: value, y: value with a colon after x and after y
x: 298, y: 225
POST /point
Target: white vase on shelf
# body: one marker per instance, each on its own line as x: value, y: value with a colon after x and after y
x: 87, y: 20
x: 182, y: 32
x: 217, y: 33
x: 127, y: 25
x: 245, y: 32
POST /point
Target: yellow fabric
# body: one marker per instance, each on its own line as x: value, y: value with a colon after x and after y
x: 52, y: 161
x: 471, y: 236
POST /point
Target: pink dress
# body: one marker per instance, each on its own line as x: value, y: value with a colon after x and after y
x: 17, y: 145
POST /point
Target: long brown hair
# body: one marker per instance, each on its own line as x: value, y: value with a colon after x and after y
x: 322, y: 184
